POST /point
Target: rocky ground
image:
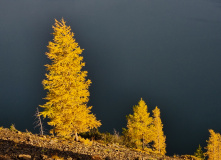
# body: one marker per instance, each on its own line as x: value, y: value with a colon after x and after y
x: 25, y: 145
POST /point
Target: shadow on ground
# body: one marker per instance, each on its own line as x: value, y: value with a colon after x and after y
x: 15, y: 150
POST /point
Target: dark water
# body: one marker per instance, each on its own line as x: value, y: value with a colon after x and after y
x: 167, y: 52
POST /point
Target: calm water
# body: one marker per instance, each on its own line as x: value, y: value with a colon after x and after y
x: 167, y: 52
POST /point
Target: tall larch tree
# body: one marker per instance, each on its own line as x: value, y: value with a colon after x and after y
x: 213, y: 146
x: 68, y: 94
x: 139, y: 125
x: 159, y: 137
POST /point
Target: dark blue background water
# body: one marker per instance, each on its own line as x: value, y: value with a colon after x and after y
x: 167, y: 52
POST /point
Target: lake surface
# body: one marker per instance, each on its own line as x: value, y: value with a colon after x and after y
x: 167, y: 52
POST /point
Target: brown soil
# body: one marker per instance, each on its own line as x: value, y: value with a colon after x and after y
x: 19, y: 145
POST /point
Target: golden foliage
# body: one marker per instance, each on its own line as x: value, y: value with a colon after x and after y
x: 214, y: 146
x: 140, y: 125
x: 143, y: 130
x: 12, y: 128
x: 158, y: 134
x: 68, y: 94
x: 199, y: 153
x: 85, y: 141
x: 56, y: 157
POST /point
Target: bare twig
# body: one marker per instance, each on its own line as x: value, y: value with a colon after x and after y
x: 116, y: 136
x: 38, y: 122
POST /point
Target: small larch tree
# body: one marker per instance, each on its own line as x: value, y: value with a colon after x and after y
x: 213, y: 146
x: 67, y: 86
x: 199, y: 153
x: 139, y: 125
x: 158, y: 135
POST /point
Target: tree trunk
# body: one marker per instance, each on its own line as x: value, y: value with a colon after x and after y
x: 143, y: 141
x: 41, y: 129
x: 159, y: 142
x: 76, y: 136
x: 53, y: 131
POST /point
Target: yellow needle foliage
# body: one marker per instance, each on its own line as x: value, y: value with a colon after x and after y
x: 214, y: 146
x: 159, y: 137
x: 140, y: 125
x: 68, y: 94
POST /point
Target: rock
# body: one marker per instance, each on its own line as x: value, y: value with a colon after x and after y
x: 96, y: 157
x: 52, y: 142
x: 24, y: 156
x: 44, y: 156
x: 7, y: 150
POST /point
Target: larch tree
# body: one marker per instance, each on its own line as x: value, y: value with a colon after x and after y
x: 199, y: 153
x: 139, y: 125
x: 213, y: 146
x: 158, y: 134
x: 68, y: 94
x: 219, y: 145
